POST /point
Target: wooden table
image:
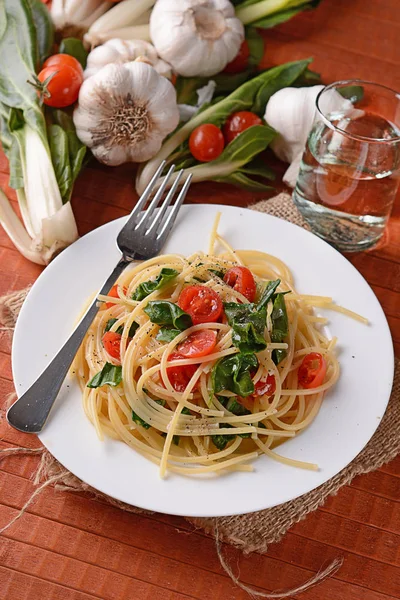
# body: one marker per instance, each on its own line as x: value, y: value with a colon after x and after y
x: 69, y: 547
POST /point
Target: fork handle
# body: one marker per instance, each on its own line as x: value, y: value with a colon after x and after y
x: 30, y: 411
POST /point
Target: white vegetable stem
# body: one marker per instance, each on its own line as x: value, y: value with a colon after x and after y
x: 123, y: 14
x: 50, y: 225
x: 259, y: 10
x: 133, y: 32
x: 77, y: 12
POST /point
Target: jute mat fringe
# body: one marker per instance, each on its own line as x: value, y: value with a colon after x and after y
x: 250, y: 532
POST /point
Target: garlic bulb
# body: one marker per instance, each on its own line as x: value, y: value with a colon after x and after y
x: 77, y: 13
x: 124, y: 112
x: 122, y: 51
x: 292, y: 113
x: 197, y: 37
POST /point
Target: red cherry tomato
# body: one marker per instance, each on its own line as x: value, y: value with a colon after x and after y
x: 114, y: 294
x: 180, y: 375
x: 197, y: 344
x: 61, y: 60
x: 206, y: 142
x: 239, y: 122
x: 241, y: 60
x: 112, y: 344
x: 265, y: 387
x: 312, y: 371
x: 63, y: 87
x: 202, y: 303
x: 241, y: 279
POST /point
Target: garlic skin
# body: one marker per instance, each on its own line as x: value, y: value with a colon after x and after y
x: 118, y: 51
x: 124, y: 112
x: 196, y: 37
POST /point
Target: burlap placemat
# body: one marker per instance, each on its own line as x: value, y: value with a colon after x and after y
x: 250, y: 532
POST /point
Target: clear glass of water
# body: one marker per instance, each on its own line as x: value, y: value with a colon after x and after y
x: 350, y: 170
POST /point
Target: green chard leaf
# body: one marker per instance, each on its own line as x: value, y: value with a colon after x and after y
x: 221, y: 441
x: 268, y: 293
x: 236, y: 407
x: 163, y: 312
x: 233, y: 374
x: 132, y: 329
x: 248, y: 323
x: 280, y: 326
x: 139, y: 421
x: 109, y: 375
x: 146, y: 288
x: 58, y: 141
x: 44, y: 29
x: 76, y: 150
x: 74, y: 47
x: 167, y: 334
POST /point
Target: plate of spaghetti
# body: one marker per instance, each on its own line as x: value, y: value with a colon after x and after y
x: 243, y: 367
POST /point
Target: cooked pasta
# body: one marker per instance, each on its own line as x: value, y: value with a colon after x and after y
x: 202, y: 363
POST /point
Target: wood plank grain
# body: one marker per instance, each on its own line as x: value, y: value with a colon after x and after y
x: 371, y: 574
x: 15, y: 585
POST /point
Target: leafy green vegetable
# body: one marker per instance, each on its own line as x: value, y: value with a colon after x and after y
x: 256, y: 45
x: 268, y: 293
x: 236, y: 407
x: 75, y: 48
x: 219, y: 274
x: 266, y: 14
x: 167, y: 334
x: 132, y: 329
x: 248, y: 323
x: 109, y: 375
x: 58, y: 141
x: 221, y: 441
x: 354, y: 93
x: 146, y: 288
x: 186, y: 411
x: 280, y: 326
x: 44, y: 29
x: 163, y: 312
x: 76, y: 150
x: 175, y: 438
x: 43, y: 165
x: 139, y: 421
x: 233, y: 374
x: 252, y: 95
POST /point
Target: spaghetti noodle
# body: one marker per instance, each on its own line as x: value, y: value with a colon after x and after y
x: 199, y: 392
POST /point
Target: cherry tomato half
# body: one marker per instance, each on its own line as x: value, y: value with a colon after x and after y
x: 206, y: 142
x: 241, y: 279
x: 63, y: 87
x: 241, y: 60
x: 114, y: 294
x: 61, y: 60
x: 239, y: 122
x: 197, y: 344
x: 180, y: 375
x: 112, y: 344
x: 201, y: 303
x: 312, y: 371
x: 265, y: 387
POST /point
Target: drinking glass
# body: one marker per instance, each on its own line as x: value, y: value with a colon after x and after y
x: 350, y: 170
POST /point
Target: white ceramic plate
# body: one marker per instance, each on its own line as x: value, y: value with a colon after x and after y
x: 349, y: 414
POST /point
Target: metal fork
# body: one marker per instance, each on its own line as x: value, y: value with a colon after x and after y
x: 142, y: 237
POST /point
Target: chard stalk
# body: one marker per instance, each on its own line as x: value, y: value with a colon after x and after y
x: 123, y: 14
x: 133, y: 32
x: 260, y: 10
x: 77, y: 12
x: 50, y: 224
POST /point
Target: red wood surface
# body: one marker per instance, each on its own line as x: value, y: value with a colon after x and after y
x: 70, y: 547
